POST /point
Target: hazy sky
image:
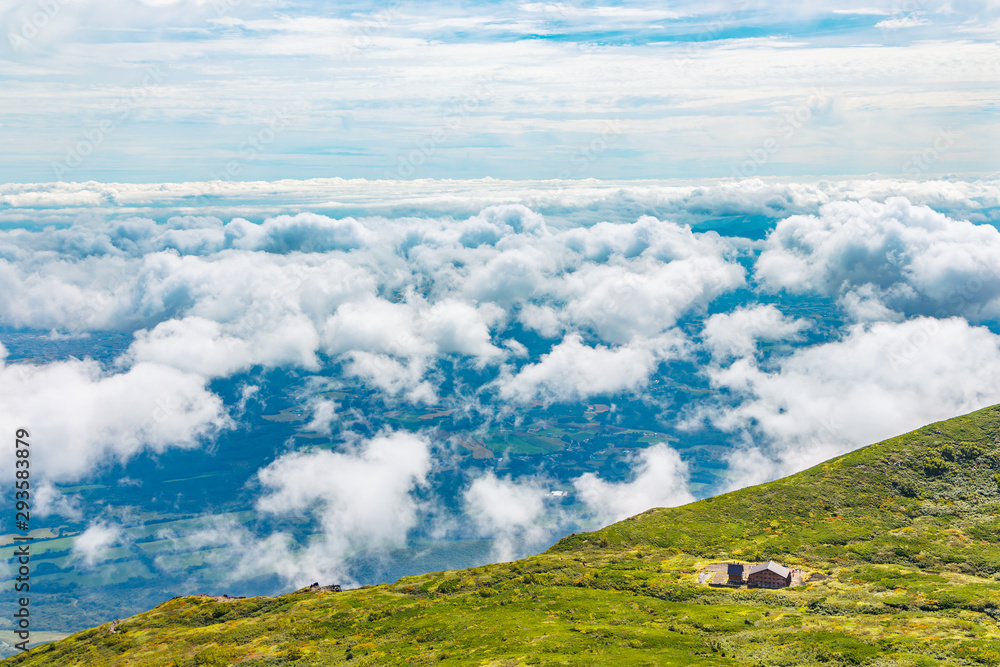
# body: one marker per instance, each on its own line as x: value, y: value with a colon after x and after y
x: 191, y: 90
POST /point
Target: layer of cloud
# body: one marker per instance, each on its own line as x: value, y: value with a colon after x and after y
x: 536, y: 308
x: 387, y: 298
x: 584, y: 201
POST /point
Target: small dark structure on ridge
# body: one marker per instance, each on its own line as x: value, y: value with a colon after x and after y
x: 333, y: 588
x: 769, y: 575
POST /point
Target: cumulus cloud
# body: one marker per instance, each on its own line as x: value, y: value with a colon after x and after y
x: 735, y: 334
x: 305, y: 232
x: 75, y: 294
x: 512, y: 513
x: 392, y: 377
x: 204, y: 346
x: 386, y: 298
x: 360, y: 497
x: 659, y: 479
x: 907, y: 258
x: 323, y: 413
x: 643, y: 297
x: 867, y: 303
x: 896, y: 23
x: 47, y: 500
x: 358, y: 500
x: 413, y: 328
x: 81, y: 416
x: 880, y: 380
x: 93, y: 544
x: 574, y: 371
x: 620, y: 281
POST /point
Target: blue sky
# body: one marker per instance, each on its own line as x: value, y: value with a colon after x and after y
x: 195, y: 90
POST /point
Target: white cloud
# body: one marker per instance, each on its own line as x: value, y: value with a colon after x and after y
x: 359, y: 500
x: 92, y: 545
x: 643, y: 297
x: 199, y: 345
x: 573, y: 371
x: 543, y: 319
x: 736, y: 333
x: 867, y: 303
x: 323, y: 414
x: 47, y: 500
x: 899, y: 22
x: 81, y: 416
x: 413, y: 328
x: 361, y: 497
x: 377, y: 326
x: 881, y: 380
x: 909, y: 258
x: 305, y: 232
x: 457, y: 327
x: 659, y: 479
x: 468, y: 201
x: 512, y: 513
x: 392, y: 377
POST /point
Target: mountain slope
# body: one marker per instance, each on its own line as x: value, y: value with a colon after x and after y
x: 901, y: 539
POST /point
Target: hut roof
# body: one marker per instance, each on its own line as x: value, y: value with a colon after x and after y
x: 777, y: 568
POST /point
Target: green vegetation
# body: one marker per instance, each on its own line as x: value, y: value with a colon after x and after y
x: 905, y: 532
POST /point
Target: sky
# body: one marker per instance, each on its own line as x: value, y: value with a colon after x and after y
x: 241, y: 90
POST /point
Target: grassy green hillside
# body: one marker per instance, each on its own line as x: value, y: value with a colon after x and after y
x: 906, y: 533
